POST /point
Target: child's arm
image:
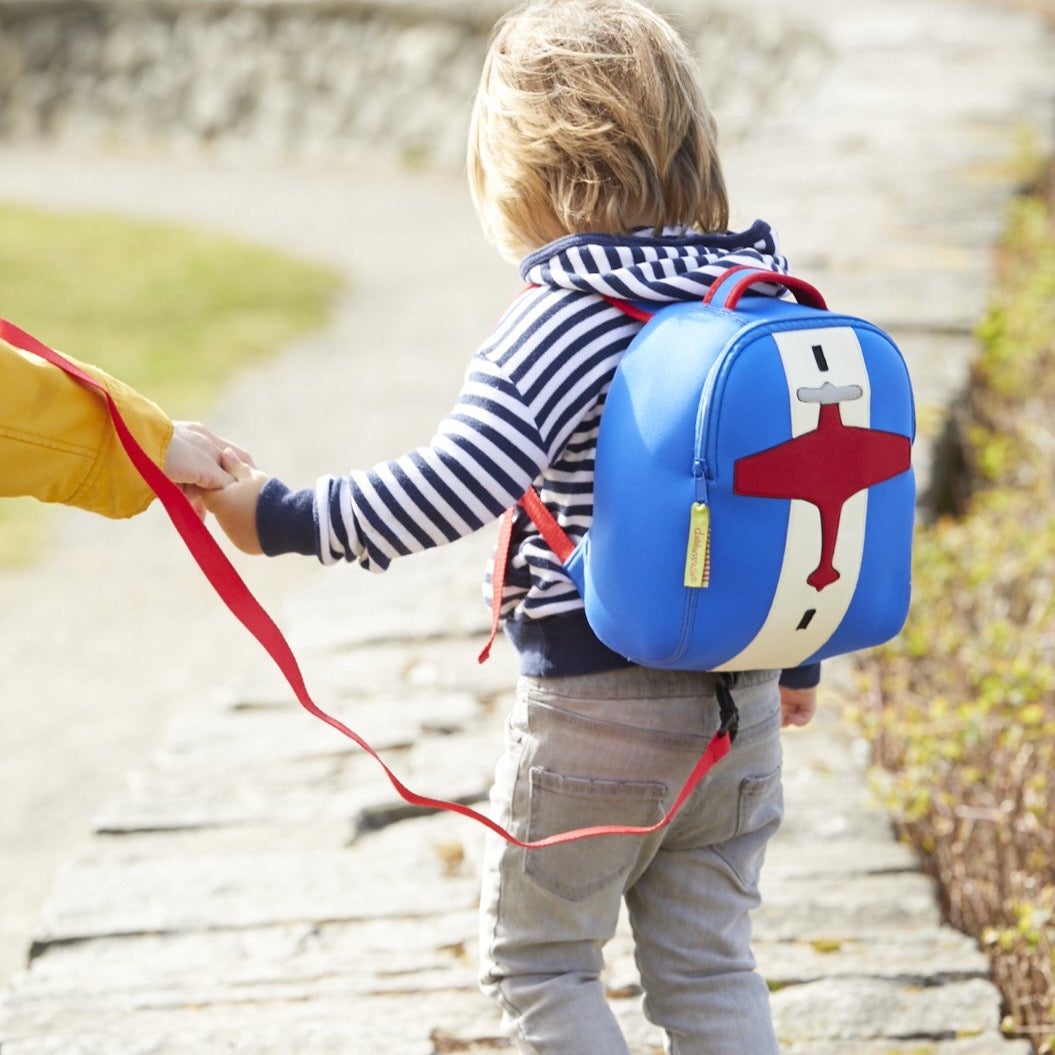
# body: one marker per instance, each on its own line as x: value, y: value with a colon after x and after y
x: 797, y: 706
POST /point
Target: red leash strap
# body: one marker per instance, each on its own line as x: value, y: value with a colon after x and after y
x: 245, y: 607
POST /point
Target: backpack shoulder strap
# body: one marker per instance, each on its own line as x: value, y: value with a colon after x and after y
x: 628, y: 307
x: 552, y: 533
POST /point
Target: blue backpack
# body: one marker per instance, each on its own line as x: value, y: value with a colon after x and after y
x: 754, y: 498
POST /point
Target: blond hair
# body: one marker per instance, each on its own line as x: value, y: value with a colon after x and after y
x: 591, y: 117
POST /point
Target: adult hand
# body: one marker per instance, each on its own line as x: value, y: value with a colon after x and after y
x: 193, y: 456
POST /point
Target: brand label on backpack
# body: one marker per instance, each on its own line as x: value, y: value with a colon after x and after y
x: 698, y: 552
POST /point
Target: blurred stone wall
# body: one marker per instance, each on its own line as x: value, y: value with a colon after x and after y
x: 310, y: 79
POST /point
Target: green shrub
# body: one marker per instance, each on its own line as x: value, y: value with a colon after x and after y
x: 964, y: 715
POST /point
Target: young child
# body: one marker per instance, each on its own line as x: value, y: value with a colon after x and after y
x: 592, y: 163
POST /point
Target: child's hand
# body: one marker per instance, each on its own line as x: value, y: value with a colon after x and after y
x: 234, y: 506
x: 797, y: 706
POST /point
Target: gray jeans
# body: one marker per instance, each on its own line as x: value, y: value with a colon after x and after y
x: 615, y: 748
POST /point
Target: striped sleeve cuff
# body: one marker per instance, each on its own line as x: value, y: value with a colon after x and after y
x: 801, y: 677
x: 285, y: 520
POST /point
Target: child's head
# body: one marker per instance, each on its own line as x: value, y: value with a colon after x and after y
x: 591, y: 117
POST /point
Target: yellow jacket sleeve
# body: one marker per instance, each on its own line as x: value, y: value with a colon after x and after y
x: 57, y: 443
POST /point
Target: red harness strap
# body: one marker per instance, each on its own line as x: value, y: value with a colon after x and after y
x: 555, y: 536
x: 245, y: 607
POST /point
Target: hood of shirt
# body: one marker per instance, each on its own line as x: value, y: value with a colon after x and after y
x: 675, y: 265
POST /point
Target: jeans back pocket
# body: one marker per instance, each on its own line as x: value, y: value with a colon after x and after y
x: 559, y: 803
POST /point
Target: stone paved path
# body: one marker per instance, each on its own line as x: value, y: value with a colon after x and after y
x: 256, y: 887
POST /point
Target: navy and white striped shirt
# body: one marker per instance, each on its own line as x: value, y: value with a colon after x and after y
x: 527, y: 414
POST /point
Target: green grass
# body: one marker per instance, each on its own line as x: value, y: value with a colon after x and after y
x: 173, y: 311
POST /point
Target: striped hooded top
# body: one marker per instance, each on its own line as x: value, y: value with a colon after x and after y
x: 527, y: 414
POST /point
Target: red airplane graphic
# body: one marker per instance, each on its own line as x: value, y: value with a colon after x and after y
x: 824, y: 467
